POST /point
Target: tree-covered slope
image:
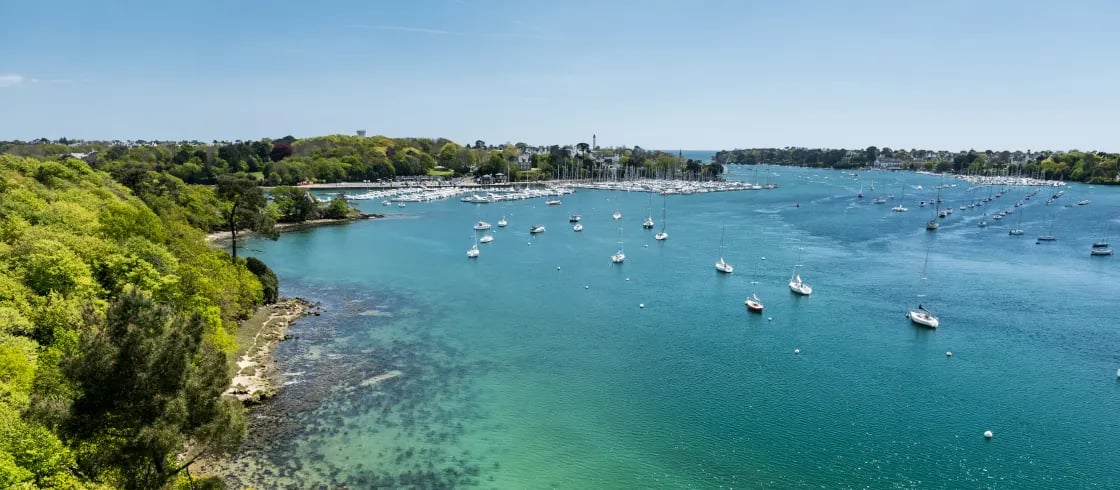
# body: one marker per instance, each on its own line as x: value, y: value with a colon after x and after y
x: 114, y: 324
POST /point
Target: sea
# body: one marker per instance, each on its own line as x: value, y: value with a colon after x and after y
x: 541, y: 364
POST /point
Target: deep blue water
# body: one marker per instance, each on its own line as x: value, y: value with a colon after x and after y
x: 534, y: 367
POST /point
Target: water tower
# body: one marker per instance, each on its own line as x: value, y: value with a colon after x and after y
x: 362, y: 133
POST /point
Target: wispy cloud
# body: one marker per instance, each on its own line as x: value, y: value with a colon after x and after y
x: 421, y: 30
x: 11, y: 80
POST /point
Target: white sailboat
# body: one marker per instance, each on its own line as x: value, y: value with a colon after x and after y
x: 617, y: 215
x: 487, y: 238
x: 662, y: 235
x: 923, y: 316
x: 619, y: 256
x: 502, y: 223
x: 900, y: 208
x: 1018, y: 229
x: 796, y: 285
x: 577, y: 227
x: 932, y: 224
x: 472, y: 253
x: 648, y: 223
x: 721, y: 265
x: 753, y: 303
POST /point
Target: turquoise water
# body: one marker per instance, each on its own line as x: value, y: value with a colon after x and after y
x: 534, y: 366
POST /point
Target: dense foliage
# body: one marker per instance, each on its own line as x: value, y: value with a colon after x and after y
x: 115, y: 322
x: 1091, y: 167
x: 337, y: 158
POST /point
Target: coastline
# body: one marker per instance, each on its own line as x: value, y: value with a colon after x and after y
x: 221, y: 236
x: 257, y: 378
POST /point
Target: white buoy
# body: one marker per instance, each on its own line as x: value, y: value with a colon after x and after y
x: 797, y: 351
x: 587, y: 287
x: 987, y: 434
x: 557, y: 267
x: 641, y: 305
x: 948, y: 353
x: 628, y: 279
x: 769, y: 318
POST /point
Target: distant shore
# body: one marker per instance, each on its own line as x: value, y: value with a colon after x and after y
x: 221, y: 236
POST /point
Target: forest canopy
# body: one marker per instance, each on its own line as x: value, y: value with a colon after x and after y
x: 116, y: 319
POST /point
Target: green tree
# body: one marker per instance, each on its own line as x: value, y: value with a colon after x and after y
x: 337, y: 209
x: 243, y: 206
x: 270, y: 286
x: 149, y: 384
x: 295, y: 204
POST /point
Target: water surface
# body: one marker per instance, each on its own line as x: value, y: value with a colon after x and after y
x: 534, y: 366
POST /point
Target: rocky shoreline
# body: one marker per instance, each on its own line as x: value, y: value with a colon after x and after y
x: 220, y: 236
x: 257, y: 378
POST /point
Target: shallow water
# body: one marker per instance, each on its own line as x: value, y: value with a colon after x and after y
x: 534, y: 367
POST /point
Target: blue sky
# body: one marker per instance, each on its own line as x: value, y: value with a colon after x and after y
x: 668, y: 74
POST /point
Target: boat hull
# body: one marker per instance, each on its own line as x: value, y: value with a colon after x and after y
x: 923, y: 319
x: 800, y: 288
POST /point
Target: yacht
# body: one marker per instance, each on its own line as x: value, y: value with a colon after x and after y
x: 554, y: 202
x: 796, y: 285
x: 473, y: 252
x: 753, y: 303
x: 923, y: 317
x: 536, y: 229
x: 386, y: 203
x: 648, y: 223
x: 482, y: 225
x: 574, y: 218
x: 1101, y: 246
x: 577, y: 227
x: 486, y: 239
x: 722, y: 266
x: 799, y: 287
x: 619, y: 256
x: 662, y: 235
